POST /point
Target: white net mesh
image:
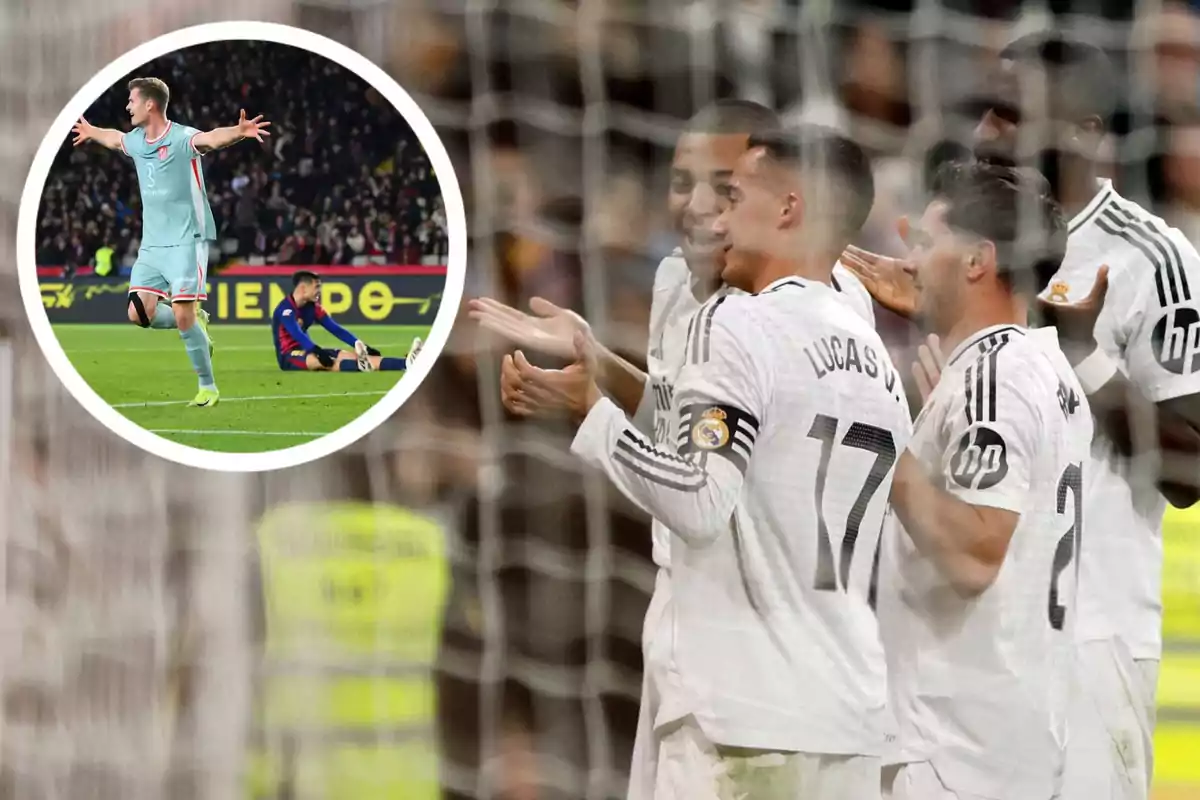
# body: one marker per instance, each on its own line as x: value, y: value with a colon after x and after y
x: 128, y: 649
x: 114, y: 596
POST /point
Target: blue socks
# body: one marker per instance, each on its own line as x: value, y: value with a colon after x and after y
x: 164, y: 317
x: 196, y: 344
x: 386, y: 364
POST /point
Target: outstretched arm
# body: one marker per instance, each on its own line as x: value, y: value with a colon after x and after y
x: 223, y: 137
x: 86, y: 132
x: 328, y: 323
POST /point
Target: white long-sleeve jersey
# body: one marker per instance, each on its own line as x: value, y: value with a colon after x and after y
x: 788, y: 415
x: 1150, y: 326
x: 676, y: 298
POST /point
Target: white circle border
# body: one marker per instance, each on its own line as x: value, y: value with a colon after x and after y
x: 456, y: 263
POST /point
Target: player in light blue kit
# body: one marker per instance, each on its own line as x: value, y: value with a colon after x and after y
x: 177, y: 223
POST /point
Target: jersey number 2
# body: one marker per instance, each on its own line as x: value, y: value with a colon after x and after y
x: 861, y: 437
x: 1070, y: 483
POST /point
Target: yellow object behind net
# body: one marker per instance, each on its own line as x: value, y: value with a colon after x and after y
x: 354, y: 596
x: 1177, y: 738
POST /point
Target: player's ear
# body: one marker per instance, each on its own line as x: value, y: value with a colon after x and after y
x: 981, y: 260
x: 1089, y: 134
x: 792, y: 212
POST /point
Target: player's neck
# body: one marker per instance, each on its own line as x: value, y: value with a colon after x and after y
x: 706, y: 280
x: 155, y: 127
x: 299, y: 303
x: 816, y: 267
x: 1078, y: 185
x: 976, y: 317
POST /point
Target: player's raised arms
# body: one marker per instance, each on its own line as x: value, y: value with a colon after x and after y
x: 217, y: 138
x: 203, y: 142
x: 86, y: 132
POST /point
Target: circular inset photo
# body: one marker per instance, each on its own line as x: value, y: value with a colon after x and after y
x: 242, y: 246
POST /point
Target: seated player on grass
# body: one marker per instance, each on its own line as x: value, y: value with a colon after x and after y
x: 296, y: 313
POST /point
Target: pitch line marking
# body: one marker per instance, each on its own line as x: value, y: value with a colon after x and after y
x: 235, y: 433
x: 253, y: 399
x: 237, y: 348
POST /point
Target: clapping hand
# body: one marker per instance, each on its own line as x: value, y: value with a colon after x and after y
x: 552, y: 332
x: 527, y: 390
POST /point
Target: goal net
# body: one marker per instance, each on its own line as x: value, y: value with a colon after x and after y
x: 130, y: 663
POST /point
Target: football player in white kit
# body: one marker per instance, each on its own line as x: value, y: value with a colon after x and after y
x: 700, y: 173
x: 1136, y: 351
x: 788, y: 419
x: 977, y: 585
x: 703, y: 162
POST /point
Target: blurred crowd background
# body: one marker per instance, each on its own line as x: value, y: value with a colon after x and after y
x: 560, y: 116
x: 342, y: 180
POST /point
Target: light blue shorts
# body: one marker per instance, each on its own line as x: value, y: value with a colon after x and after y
x: 179, y: 272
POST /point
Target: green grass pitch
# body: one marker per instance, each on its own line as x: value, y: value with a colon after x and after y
x: 146, y: 375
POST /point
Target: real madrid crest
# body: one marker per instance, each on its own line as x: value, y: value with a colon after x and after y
x: 711, y: 432
x: 1058, y: 291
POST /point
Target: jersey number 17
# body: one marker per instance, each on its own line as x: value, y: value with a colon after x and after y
x: 860, y: 436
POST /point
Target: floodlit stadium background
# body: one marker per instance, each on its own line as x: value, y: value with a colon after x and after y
x: 560, y: 117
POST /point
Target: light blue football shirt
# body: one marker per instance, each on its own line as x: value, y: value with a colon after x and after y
x: 175, y: 207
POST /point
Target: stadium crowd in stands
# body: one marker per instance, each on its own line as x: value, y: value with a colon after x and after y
x: 343, y: 180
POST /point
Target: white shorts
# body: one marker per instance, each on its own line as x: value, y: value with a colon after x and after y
x: 691, y: 768
x: 919, y: 781
x: 1110, y: 734
x: 644, y: 764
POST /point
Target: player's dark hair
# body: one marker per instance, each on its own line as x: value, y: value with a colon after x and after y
x: 733, y: 116
x: 1015, y: 210
x: 152, y: 89
x: 943, y: 152
x: 305, y: 276
x: 1080, y: 76
x: 825, y: 155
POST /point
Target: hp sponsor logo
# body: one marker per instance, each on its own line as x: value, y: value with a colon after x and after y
x: 1176, y: 341
x: 981, y: 460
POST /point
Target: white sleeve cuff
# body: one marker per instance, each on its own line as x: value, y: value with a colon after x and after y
x: 1095, y: 371
x: 990, y: 498
x: 595, y: 436
x: 1174, y: 386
